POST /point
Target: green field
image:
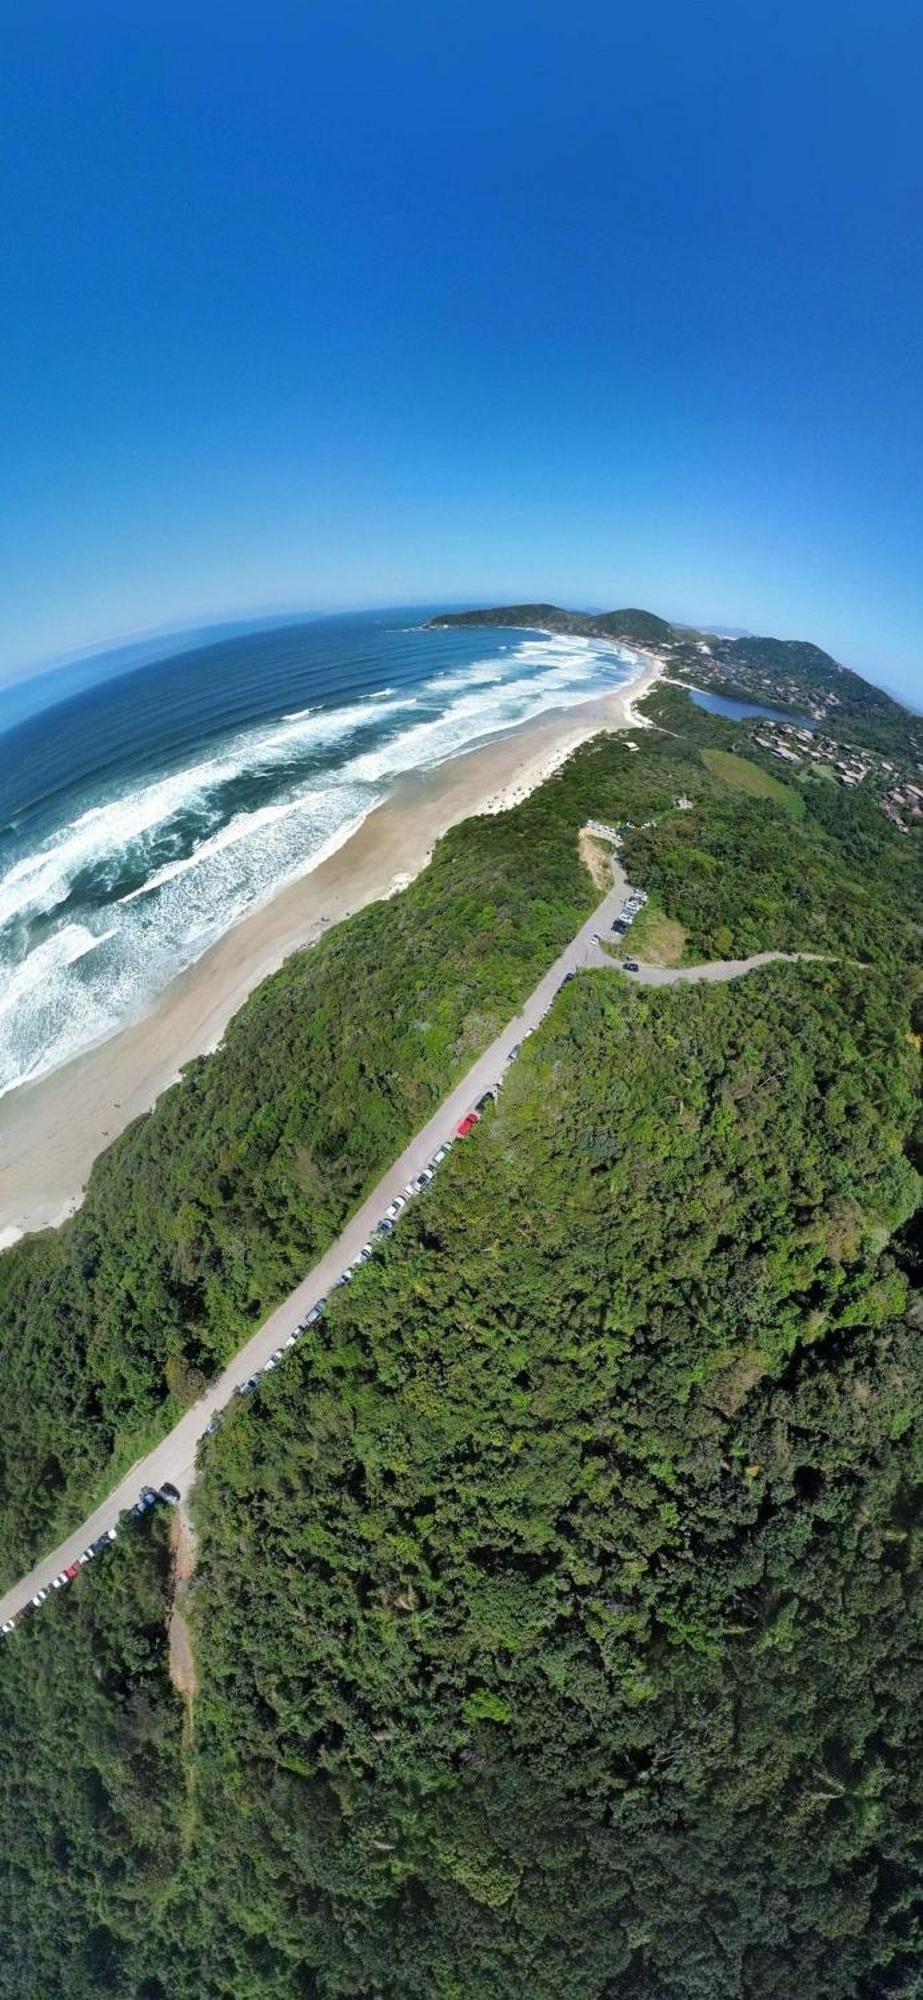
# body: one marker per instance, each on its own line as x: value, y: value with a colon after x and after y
x: 747, y: 777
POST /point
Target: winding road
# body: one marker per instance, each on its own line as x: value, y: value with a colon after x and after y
x: 174, y: 1458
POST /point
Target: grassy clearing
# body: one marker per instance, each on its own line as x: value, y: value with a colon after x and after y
x: 656, y: 938
x: 746, y: 777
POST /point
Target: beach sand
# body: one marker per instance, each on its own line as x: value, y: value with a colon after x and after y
x: 51, y: 1131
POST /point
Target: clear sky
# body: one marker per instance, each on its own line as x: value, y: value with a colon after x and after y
x: 356, y: 302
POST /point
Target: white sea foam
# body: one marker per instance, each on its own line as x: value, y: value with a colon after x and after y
x: 68, y: 982
x: 40, y: 881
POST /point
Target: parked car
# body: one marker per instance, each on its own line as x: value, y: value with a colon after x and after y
x: 86, y: 1557
x: 169, y: 1492
x: 9, y: 1625
x: 40, y: 1597
x: 269, y: 1365
x: 482, y: 1102
x: 364, y: 1254
x: 313, y: 1316
x: 57, y: 1581
x: 630, y: 965
x: 467, y: 1125
x: 293, y: 1337
x: 71, y: 1571
x: 441, y: 1153
x: 244, y: 1388
x: 568, y: 976
x: 422, y: 1180
x: 384, y: 1227
x: 394, y: 1207
x: 212, y: 1426
x: 514, y: 1052
x: 102, y: 1541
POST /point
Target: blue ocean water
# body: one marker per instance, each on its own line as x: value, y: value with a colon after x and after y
x: 145, y: 814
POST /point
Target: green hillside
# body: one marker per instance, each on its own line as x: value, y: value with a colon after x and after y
x: 642, y: 626
x: 558, y: 1617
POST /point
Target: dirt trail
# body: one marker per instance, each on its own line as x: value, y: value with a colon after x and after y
x: 182, y: 1660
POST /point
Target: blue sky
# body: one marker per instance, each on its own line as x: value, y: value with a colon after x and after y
x: 318, y: 305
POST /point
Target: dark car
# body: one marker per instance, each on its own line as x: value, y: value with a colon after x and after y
x: 630, y: 965
x: 169, y: 1493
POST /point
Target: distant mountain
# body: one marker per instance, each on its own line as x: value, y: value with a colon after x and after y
x: 641, y: 626
x: 727, y: 631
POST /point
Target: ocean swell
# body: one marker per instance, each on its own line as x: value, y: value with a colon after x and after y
x: 132, y: 879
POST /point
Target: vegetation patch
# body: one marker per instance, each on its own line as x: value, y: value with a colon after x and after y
x: 558, y: 1618
x: 655, y: 937
x: 751, y: 778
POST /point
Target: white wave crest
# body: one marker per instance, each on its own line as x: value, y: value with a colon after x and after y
x: 323, y: 769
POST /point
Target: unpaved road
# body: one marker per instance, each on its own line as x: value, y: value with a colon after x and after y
x: 174, y: 1457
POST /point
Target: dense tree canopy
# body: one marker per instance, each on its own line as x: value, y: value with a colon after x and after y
x: 558, y: 1610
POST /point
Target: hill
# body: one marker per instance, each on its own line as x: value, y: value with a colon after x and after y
x: 641, y: 626
x: 558, y: 1619
x: 788, y: 673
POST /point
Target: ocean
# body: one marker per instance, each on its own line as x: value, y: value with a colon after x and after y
x: 143, y: 815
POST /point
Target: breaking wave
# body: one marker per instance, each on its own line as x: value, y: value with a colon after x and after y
x: 126, y: 881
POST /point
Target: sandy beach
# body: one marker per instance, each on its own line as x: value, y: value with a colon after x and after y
x: 51, y: 1131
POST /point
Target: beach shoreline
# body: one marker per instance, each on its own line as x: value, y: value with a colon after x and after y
x: 52, y: 1130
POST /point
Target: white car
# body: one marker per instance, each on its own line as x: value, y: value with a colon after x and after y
x: 442, y: 1153
x: 364, y: 1254
x: 9, y: 1625
x: 40, y: 1597
x: 394, y: 1207
x: 293, y: 1337
x: 58, y: 1581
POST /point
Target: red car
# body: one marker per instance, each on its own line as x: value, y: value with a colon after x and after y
x: 466, y: 1125
x: 72, y: 1570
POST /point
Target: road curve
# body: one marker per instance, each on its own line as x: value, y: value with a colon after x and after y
x: 174, y: 1457
x: 717, y: 970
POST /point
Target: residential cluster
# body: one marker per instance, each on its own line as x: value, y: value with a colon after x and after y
x: 900, y: 797
x: 772, y: 686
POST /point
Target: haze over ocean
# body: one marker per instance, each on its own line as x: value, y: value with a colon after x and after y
x: 144, y: 816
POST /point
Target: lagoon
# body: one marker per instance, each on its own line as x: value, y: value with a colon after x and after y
x: 722, y: 704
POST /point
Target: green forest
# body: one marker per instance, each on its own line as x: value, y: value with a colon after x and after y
x: 557, y: 1615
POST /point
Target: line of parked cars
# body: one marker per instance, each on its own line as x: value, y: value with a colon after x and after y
x: 382, y: 1228
x: 629, y: 911
x: 148, y: 1497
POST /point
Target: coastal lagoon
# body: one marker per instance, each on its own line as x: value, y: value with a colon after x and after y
x: 737, y: 711
x: 146, y: 814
